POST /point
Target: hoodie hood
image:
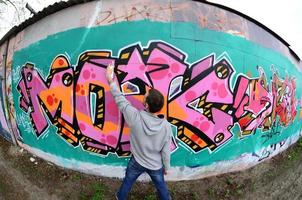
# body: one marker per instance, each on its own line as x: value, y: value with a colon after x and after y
x: 152, y: 124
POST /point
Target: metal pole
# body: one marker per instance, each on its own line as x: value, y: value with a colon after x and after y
x: 31, y: 10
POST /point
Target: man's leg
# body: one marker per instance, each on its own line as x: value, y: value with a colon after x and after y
x: 132, y: 173
x: 157, y: 177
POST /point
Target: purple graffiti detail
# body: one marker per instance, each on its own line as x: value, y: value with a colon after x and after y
x: 34, y: 84
x: 55, y: 96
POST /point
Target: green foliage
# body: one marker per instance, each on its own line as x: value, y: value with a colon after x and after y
x: 77, y: 177
x: 150, y: 197
x: 99, y: 191
x: 212, y: 192
x: 195, y: 196
x: 83, y: 197
x: 294, y: 154
x: 229, y: 181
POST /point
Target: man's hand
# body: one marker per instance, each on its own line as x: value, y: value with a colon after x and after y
x: 110, y: 73
x: 165, y: 172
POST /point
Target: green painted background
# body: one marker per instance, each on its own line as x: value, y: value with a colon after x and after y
x: 244, y: 55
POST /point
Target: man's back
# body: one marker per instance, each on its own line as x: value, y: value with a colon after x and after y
x: 150, y: 137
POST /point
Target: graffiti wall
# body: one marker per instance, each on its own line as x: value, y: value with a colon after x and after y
x: 4, y: 130
x: 232, y: 101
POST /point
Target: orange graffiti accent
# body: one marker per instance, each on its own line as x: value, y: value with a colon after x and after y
x: 55, y: 96
x: 69, y: 135
x: 60, y: 62
x: 65, y: 125
x: 126, y: 130
x: 194, y: 138
x: 86, y: 55
x: 177, y: 111
x: 109, y: 127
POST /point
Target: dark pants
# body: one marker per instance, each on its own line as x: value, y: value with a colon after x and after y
x: 134, y: 170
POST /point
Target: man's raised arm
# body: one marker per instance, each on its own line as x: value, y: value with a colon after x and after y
x: 130, y: 113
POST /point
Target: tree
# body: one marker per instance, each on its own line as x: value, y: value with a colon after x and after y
x: 8, y: 1
x: 9, y: 15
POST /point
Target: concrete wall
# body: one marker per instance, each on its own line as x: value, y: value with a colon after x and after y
x: 232, y: 90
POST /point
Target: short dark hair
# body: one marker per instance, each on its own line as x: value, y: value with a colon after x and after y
x: 155, y: 100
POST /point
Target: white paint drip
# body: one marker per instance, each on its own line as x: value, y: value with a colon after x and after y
x: 91, y: 22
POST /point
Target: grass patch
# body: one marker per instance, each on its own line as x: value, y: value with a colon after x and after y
x: 76, y: 177
x: 195, y: 196
x: 150, y: 197
x: 2, y: 188
x: 99, y: 191
x: 213, y: 193
x: 233, y: 187
x: 295, y: 153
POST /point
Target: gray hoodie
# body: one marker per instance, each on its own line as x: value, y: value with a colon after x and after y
x: 150, y: 136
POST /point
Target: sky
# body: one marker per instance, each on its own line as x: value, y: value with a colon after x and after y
x: 282, y: 17
x: 13, y: 15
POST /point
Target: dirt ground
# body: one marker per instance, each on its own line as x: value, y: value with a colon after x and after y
x: 23, y: 176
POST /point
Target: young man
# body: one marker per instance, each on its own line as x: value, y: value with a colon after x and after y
x: 150, y: 139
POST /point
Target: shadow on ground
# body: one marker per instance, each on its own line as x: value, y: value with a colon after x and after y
x: 23, y: 176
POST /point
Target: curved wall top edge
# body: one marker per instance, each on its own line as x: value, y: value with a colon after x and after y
x: 63, y: 5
